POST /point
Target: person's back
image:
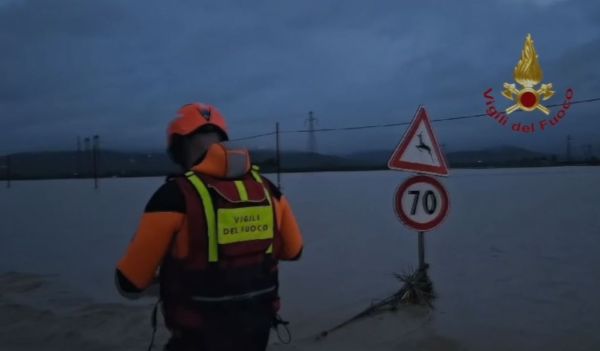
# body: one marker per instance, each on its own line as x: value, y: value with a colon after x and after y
x: 216, y: 233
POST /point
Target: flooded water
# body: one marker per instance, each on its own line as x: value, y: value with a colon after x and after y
x: 515, y: 265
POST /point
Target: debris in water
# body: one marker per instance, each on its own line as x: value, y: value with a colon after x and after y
x: 417, y: 289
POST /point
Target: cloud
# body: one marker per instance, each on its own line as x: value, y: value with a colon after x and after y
x: 122, y: 69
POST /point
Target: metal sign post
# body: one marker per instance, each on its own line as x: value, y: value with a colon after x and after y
x: 421, y: 250
x: 421, y: 203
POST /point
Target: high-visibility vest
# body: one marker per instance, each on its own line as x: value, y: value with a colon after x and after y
x: 239, y: 224
x: 232, y: 229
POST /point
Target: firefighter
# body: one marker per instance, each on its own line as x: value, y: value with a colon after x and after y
x: 212, y: 238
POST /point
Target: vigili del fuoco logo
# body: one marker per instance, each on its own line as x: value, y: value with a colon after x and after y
x: 526, y: 97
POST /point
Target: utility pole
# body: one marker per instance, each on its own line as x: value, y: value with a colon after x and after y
x: 312, y: 139
x: 277, y: 156
x: 86, y: 157
x: 95, y: 148
x: 78, y: 158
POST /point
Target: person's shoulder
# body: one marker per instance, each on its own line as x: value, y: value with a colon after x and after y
x: 168, y: 197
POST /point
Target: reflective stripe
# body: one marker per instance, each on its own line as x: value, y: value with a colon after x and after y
x: 267, y: 195
x: 256, y: 175
x: 241, y: 190
x: 209, y: 212
x: 259, y: 179
x: 234, y: 297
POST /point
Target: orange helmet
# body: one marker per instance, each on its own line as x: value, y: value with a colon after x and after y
x: 193, y: 116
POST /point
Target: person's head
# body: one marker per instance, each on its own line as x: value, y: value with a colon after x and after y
x: 190, y: 135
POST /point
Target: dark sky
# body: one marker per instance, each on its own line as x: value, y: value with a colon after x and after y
x: 121, y: 69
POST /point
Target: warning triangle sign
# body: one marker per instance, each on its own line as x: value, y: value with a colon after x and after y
x: 419, y: 150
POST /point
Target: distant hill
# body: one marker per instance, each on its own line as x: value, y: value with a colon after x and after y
x: 72, y: 164
x: 504, y: 156
x: 299, y: 161
x: 68, y: 164
x: 490, y: 156
x: 375, y: 158
x: 494, y: 155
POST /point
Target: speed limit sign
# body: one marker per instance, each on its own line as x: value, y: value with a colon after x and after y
x: 421, y: 202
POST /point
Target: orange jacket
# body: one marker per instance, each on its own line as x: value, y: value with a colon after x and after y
x: 163, y: 225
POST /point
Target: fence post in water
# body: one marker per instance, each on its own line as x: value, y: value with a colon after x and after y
x: 421, y: 251
x: 78, y: 168
x: 277, y: 156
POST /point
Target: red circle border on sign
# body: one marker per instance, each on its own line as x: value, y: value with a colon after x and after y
x: 423, y: 227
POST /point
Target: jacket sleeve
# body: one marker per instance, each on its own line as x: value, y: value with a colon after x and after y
x: 291, y: 245
x: 162, y: 219
x: 148, y: 247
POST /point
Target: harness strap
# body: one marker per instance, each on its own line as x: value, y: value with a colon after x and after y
x: 209, y: 211
x: 235, y: 297
x: 241, y: 190
x: 257, y: 177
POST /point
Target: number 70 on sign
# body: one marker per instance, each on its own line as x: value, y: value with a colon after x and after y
x: 421, y: 202
x: 429, y: 202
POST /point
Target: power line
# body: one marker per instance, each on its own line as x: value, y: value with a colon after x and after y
x: 445, y: 119
x: 253, y: 136
x: 577, y: 102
